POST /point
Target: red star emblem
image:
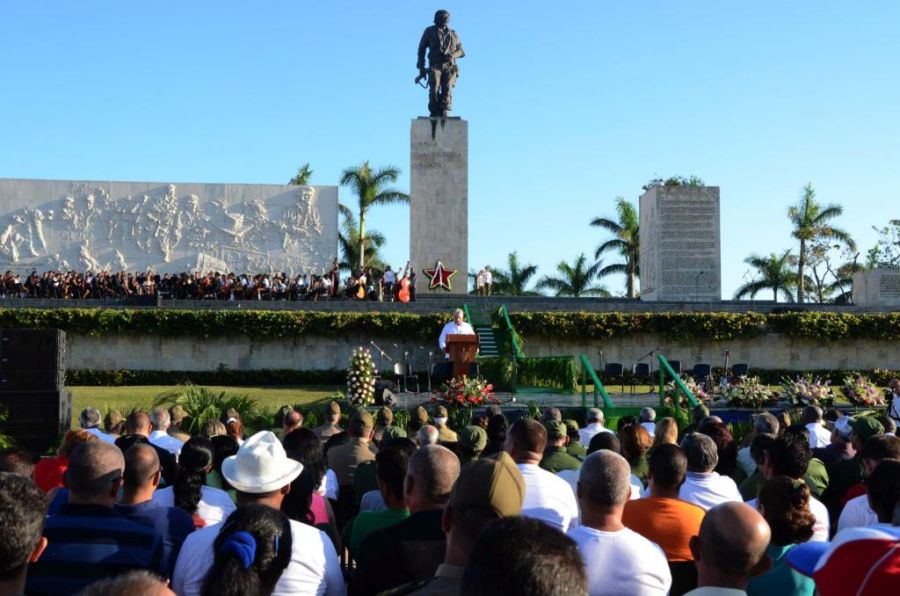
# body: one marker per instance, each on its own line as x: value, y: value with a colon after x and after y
x: 439, y: 277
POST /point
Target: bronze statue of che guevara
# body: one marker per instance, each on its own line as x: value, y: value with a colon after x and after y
x: 443, y: 48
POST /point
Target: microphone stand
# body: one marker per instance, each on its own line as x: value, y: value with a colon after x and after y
x: 430, y: 355
x: 383, y: 355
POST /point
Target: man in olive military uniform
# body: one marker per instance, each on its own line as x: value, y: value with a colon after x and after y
x: 384, y: 417
x: 472, y: 441
x: 574, y: 447
x: 332, y: 418
x: 487, y: 489
x: 444, y: 49
x: 445, y: 433
x: 555, y: 457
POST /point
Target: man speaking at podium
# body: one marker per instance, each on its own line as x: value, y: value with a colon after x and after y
x: 457, y: 326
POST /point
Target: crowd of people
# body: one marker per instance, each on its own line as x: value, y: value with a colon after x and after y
x: 367, y: 284
x: 504, y: 505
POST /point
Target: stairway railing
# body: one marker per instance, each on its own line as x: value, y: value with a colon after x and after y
x: 516, y: 341
x: 665, y: 369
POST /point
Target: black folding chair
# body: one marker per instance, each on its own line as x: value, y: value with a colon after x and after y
x: 702, y: 374
x: 740, y: 370
x: 404, y: 378
x: 612, y: 370
x: 641, y: 372
x: 676, y: 366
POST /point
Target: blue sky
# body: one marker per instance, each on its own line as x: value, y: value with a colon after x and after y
x: 570, y: 104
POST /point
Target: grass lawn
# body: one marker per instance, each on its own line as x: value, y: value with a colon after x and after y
x: 142, y: 396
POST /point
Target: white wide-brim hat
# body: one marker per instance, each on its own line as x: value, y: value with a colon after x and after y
x: 260, y: 465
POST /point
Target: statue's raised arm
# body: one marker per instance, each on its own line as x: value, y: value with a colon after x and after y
x: 444, y: 48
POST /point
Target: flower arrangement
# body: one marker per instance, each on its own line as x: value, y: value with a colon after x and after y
x: 670, y: 390
x: 361, y: 378
x: 862, y: 392
x: 749, y: 393
x: 804, y: 390
x: 465, y: 392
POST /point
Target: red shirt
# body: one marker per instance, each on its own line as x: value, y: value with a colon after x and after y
x: 48, y: 472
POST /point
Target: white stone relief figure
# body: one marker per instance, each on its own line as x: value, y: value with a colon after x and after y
x: 11, y: 240
x: 304, y: 214
x: 36, y: 231
x: 87, y: 258
x: 120, y: 261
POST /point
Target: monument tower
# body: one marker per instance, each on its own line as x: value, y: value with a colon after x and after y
x: 439, y: 169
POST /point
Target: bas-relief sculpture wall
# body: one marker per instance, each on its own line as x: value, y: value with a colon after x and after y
x: 88, y: 225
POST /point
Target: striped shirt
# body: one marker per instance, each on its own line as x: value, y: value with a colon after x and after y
x: 87, y: 543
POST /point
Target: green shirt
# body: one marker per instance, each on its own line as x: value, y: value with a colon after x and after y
x: 750, y: 487
x: 577, y: 450
x: 816, y: 477
x: 556, y: 460
x: 370, y: 521
x: 780, y: 578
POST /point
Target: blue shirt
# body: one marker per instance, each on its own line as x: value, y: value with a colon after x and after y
x: 172, y: 524
x: 87, y: 543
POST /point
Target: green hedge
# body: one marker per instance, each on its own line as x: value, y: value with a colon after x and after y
x: 221, y: 377
x: 820, y: 326
x: 218, y: 323
x: 708, y: 326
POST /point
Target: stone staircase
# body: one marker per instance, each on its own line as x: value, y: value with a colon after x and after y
x: 487, y: 341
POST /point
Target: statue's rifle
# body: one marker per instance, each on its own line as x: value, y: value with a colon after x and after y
x: 419, y: 82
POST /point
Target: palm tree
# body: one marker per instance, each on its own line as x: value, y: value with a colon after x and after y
x: 575, y: 279
x: 302, y: 176
x: 626, y: 241
x: 774, y: 273
x: 371, y: 189
x: 810, y: 221
x: 514, y: 281
x: 349, y: 242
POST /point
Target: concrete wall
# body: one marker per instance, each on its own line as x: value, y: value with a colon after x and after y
x: 151, y: 352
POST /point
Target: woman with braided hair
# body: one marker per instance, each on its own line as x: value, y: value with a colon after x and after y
x: 251, y: 552
x: 208, y: 505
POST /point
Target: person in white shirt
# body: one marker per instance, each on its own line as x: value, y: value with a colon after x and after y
x: 594, y: 425
x: 547, y: 496
x: 812, y: 419
x: 457, y: 326
x: 479, y: 283
x: 702, y: 486
x: 648, y: 420
x: 763, y: 424
x: 488, y: 280
x: 858, y: 511
x: 208, y: 505
x: 618, y: 560
x: 262, y: 474
x: 161, y: 420
x: 610, y: 442
x: 90, y: 422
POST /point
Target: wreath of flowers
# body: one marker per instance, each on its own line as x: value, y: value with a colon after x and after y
x: 361, y: 378
x: 465, y: 392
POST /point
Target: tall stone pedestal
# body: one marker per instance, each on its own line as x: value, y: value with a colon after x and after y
x: 878, y: 287
x: 680, y: 244
x: 439, y: 199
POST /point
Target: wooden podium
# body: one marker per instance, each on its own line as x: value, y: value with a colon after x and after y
x: 462, y: 350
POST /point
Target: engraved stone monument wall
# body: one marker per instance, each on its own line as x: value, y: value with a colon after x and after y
x: 166, y: 228
x: 878, y: 287
x: 680, y: 244
x: 439, y: 196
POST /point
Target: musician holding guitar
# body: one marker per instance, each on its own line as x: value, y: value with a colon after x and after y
x: 403, y: 292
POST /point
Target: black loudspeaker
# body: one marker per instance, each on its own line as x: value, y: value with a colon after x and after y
x: 35, y: 419
x: 35, y: 405
x: 32, y: 349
